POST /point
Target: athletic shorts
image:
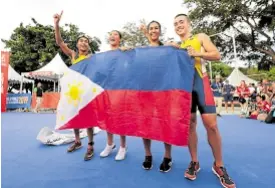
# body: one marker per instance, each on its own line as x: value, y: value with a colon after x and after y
x: 202, y: 95
x: 228, y: 98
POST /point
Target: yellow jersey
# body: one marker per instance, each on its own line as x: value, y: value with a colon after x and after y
x: 79, y: 58
x: 195, y: 43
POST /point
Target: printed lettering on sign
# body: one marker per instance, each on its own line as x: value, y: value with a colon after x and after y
x: 23, y: 100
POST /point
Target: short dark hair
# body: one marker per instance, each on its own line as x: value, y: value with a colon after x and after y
x: 119, y: 33
x: 178, y: 15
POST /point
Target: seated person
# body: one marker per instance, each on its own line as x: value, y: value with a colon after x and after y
x: 262, y: 109
x: 271, y: 116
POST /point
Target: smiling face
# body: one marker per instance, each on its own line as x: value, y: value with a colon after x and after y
x: 154, y: 31
x: 114, y: 38
x: 182, y: 25
x: 83, y: 44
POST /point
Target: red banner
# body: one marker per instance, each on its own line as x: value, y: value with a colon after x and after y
x: 5, y: 61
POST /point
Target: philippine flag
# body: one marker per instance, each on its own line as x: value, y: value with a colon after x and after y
x: 145, y: 92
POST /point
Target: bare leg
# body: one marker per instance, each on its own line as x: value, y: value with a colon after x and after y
x: 147, y: 147
x: 226, y: 106
x: 193, y: 138
x: 90, y: 133
x: 213, y: 135
x: 77, y: 135
x: 168, y: 149
x: 123, y: 141
x: 110, y: 138
x: 90, y: 150
x: 147, y: 163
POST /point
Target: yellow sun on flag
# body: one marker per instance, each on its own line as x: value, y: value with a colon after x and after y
x: 74, y: 93
x: 62, y: 117
x: 94, y: 90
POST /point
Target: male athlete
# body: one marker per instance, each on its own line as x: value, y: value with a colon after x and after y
x: 201, y: 48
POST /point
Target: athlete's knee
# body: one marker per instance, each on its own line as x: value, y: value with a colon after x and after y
x: 210, y: 122
x: 213, y: 128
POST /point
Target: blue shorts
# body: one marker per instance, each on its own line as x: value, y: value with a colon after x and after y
x: 228, y: 98
x: 202, y: 95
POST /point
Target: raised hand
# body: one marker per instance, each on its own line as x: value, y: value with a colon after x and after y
x: 143, y: 29
x: 57, y: 18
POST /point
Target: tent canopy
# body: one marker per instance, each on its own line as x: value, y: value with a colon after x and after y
x: 15, y: 77
x: 237, y: 76
x: 50, y: 72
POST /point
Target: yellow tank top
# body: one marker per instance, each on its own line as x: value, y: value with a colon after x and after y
x: 80, y: 58
x: 196, y: 44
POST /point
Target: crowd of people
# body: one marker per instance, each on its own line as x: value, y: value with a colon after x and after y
x: 255, y: 101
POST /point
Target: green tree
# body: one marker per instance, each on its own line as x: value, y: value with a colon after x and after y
x: 220, y: 68
x: 253, y: 20
x: 132, y: 36
x: 33, y: 46
x: 271, y: 74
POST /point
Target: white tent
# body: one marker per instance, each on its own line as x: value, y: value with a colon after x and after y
x: 15, y: 77
x: 237, y: 76
x: 50, y: 72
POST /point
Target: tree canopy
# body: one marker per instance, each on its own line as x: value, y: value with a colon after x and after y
x: 253, y: 22
x: 33, y: 46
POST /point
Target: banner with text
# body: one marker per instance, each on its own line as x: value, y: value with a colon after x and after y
x: 5, y: 61
x: 15, y: 101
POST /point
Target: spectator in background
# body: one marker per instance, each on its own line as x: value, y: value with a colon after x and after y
x: 216, y: 87
x: 243, y: 93
x: 251, y: 88
x: 253, y: 92
x: 228, y: 92
x: 265, y: 89
x: 259, y: 88
x: 271, y: 116
x: 39, y: 96
x: 263, y: 108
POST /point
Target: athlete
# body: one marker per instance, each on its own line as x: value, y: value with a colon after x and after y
x: 201, y: 48
x: 152, y: 32
x: 82, y: 52
x: 114, y: 41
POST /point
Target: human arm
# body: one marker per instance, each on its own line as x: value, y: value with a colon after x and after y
x: 143, y: 29
x: 210, y: 51
x: 58, y: 38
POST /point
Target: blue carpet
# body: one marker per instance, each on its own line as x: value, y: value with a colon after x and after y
x: 248, y: 149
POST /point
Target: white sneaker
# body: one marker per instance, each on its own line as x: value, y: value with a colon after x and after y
x: 121, y: 154
x: 108, y: 150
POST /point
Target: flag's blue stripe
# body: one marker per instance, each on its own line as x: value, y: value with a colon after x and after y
x: 149, y: 68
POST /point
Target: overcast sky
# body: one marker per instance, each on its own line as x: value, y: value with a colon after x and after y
x: 95, y: 18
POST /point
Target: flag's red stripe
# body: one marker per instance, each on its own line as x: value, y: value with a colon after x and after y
x: 208, y: 94
x: 160, y: 115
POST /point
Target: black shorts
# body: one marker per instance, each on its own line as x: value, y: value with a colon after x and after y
x: 202, y: 95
